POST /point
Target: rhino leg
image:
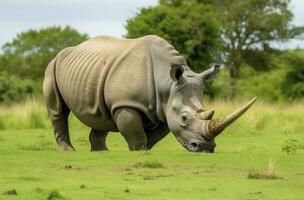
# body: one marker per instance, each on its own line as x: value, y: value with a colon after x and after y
x: 57, y: 109
x: 98, y: 140
x: 61, y: 131
x: 130, y: 125
x: 156, y: 135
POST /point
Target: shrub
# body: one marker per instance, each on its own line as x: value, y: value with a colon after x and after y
x: 14, y: 90
x: 293, y: 85
x: 290, y: 146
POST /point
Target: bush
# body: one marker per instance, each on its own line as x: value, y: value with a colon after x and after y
x: 293, y: 84
x: 28, y: 54
x: 265, y: 85
x: 284, y: 83
x: 290, y: 146
x: 14, y: 89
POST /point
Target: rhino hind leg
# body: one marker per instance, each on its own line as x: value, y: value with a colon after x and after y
x: 98, y: 140
x: 130, y: 125
x: 61, y: 132
x: 57, y: 109
x: 61, y: 129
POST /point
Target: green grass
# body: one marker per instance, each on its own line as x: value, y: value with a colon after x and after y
x: 247, y: 155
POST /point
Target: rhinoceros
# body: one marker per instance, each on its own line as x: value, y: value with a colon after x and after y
x: 142, y: 88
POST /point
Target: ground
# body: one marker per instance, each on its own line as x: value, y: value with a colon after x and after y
x: 267, y: 144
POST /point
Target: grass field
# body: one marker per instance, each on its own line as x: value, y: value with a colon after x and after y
x: 261, y: 156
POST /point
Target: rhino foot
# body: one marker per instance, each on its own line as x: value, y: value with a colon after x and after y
x: 98, y: 140
x: 65, y: 147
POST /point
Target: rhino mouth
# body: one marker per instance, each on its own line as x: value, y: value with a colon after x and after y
x: 200, y: 145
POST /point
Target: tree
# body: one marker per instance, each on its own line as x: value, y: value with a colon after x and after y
x: 191, y: 28
x: 251, y: 32
x: 29, y: 53
x: 13, y: 89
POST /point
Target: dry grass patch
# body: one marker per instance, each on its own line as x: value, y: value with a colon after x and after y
x: 263, y: 173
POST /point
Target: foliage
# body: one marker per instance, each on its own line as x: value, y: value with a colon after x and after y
x: 281, y: 84
x: 265, y: 85
x: 293, y: 83
x: 191, y: 28
x: 30, y: 52
x: 290, y: 146
x: 249, y: 29
x: 14, y: 89
x: 257, y: 84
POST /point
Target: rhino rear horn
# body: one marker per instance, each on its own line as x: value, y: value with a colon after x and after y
x: 205, y: 115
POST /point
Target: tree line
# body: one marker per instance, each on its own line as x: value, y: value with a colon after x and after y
x: 246, y: 36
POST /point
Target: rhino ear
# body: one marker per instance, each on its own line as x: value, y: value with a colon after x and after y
x: 209, y: 74
x: 176, y: 72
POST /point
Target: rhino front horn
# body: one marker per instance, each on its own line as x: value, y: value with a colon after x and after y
x: 212, y: 128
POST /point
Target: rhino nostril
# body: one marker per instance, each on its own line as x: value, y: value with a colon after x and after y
x: 193, y: 144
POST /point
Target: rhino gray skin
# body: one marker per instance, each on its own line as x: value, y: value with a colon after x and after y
x: 140, y: 87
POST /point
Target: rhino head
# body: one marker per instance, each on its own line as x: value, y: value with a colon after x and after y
x: 187, y: 118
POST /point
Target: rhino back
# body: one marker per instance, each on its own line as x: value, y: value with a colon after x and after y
x: 103, y: 74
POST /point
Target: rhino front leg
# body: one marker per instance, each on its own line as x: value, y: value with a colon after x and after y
x: 98, y: 140
x: 130, y: 125
x: 156, y: 135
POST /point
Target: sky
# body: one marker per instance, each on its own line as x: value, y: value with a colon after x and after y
x: 94, y: 17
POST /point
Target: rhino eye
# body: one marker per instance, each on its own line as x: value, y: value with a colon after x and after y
x: 184, y: 119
